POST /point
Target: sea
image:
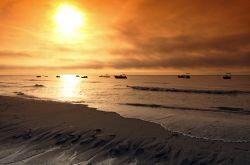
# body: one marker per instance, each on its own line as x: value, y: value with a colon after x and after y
x: 207, y: 107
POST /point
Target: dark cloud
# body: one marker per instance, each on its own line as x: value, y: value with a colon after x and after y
x: 186, y: 44
x: 186, y: 34
x: 187, y: 17
x: 186, y: 62
x: 68, y: 67
x: 188, y: 52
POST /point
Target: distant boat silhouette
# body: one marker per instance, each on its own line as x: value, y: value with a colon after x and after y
x: 181, y: 76
x: 227, y: 76
x: 58, y: 76
x: 122, y: 76
x: 105, y: 76
x: 186, y: 76
x: 84, y: 77
x: 38, y: 76
x: 77, y: 76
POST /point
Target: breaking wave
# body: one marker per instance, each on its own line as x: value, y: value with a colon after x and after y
x: 38, y: 85
x: 20, y: 85
x: 212, y: 109
x: 21, y: 94
x: 34, y: 86
x: 36, y: 80
x: 198, y: 91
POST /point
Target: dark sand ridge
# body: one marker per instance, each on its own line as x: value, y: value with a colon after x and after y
x: 46, y: 132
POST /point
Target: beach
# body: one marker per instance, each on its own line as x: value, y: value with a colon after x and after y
x: 135, y: 82
x: 48, y: 132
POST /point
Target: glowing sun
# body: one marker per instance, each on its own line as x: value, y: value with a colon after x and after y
x: 68, y: 19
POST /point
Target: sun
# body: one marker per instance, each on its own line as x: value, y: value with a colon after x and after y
x: 68, y: 19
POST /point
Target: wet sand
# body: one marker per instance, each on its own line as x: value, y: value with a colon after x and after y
x: 46, y: 132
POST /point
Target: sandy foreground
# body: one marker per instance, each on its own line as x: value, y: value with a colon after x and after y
x: 46, y: 132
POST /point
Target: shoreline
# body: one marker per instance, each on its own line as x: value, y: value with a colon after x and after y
x: 162, y: 125
x: 53, y: 132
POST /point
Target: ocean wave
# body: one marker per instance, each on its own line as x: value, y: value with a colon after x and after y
x: 155, y: 83
x: 174, y: 132
x: 93, y: 82
x: 5, y: 86
x: 213, y: 109
x: 197, y: 91
x: 34, y: 86
x: 20, y: 85
x: 8, y: 84
x: 38, y: 85
x: 117, y: 88
x: 21, y: 94
x: 36, y: 80
x: 229, y: 108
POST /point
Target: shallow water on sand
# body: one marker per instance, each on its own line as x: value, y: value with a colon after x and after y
x: 203, y: 106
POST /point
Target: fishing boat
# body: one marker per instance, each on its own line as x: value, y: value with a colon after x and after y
x: 58, y: 76
x: 227, y: 76
x: 84, y: 77
x: 122, y: 76
x: 38, y: 76
x: 186, y: 76
x: 181, y: 76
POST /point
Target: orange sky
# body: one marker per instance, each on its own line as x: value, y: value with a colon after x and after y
x: 130, y: 36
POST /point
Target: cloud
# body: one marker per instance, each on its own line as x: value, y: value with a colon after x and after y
x: 186, y: 34
x: 180, y: 52
x: 186, y: 62
x: 187, y: 52
x: 162, y: 34
x: 65, y: 49
x: 6, y: 7
x: 12, y: 54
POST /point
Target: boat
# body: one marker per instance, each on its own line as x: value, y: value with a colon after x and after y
x: 186, y: 76
x: 122, y: 76
x: 227, y: 76
x: 84, y: 77
x: 58, y: 76
x: 105, y: 76
x: 181, y: 76
x: 77, y: 76
x: 38, y: 76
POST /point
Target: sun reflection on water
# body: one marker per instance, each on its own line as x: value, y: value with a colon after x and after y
x: 70, y: 87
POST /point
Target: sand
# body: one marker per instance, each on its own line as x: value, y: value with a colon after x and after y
x: 47, y: 132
